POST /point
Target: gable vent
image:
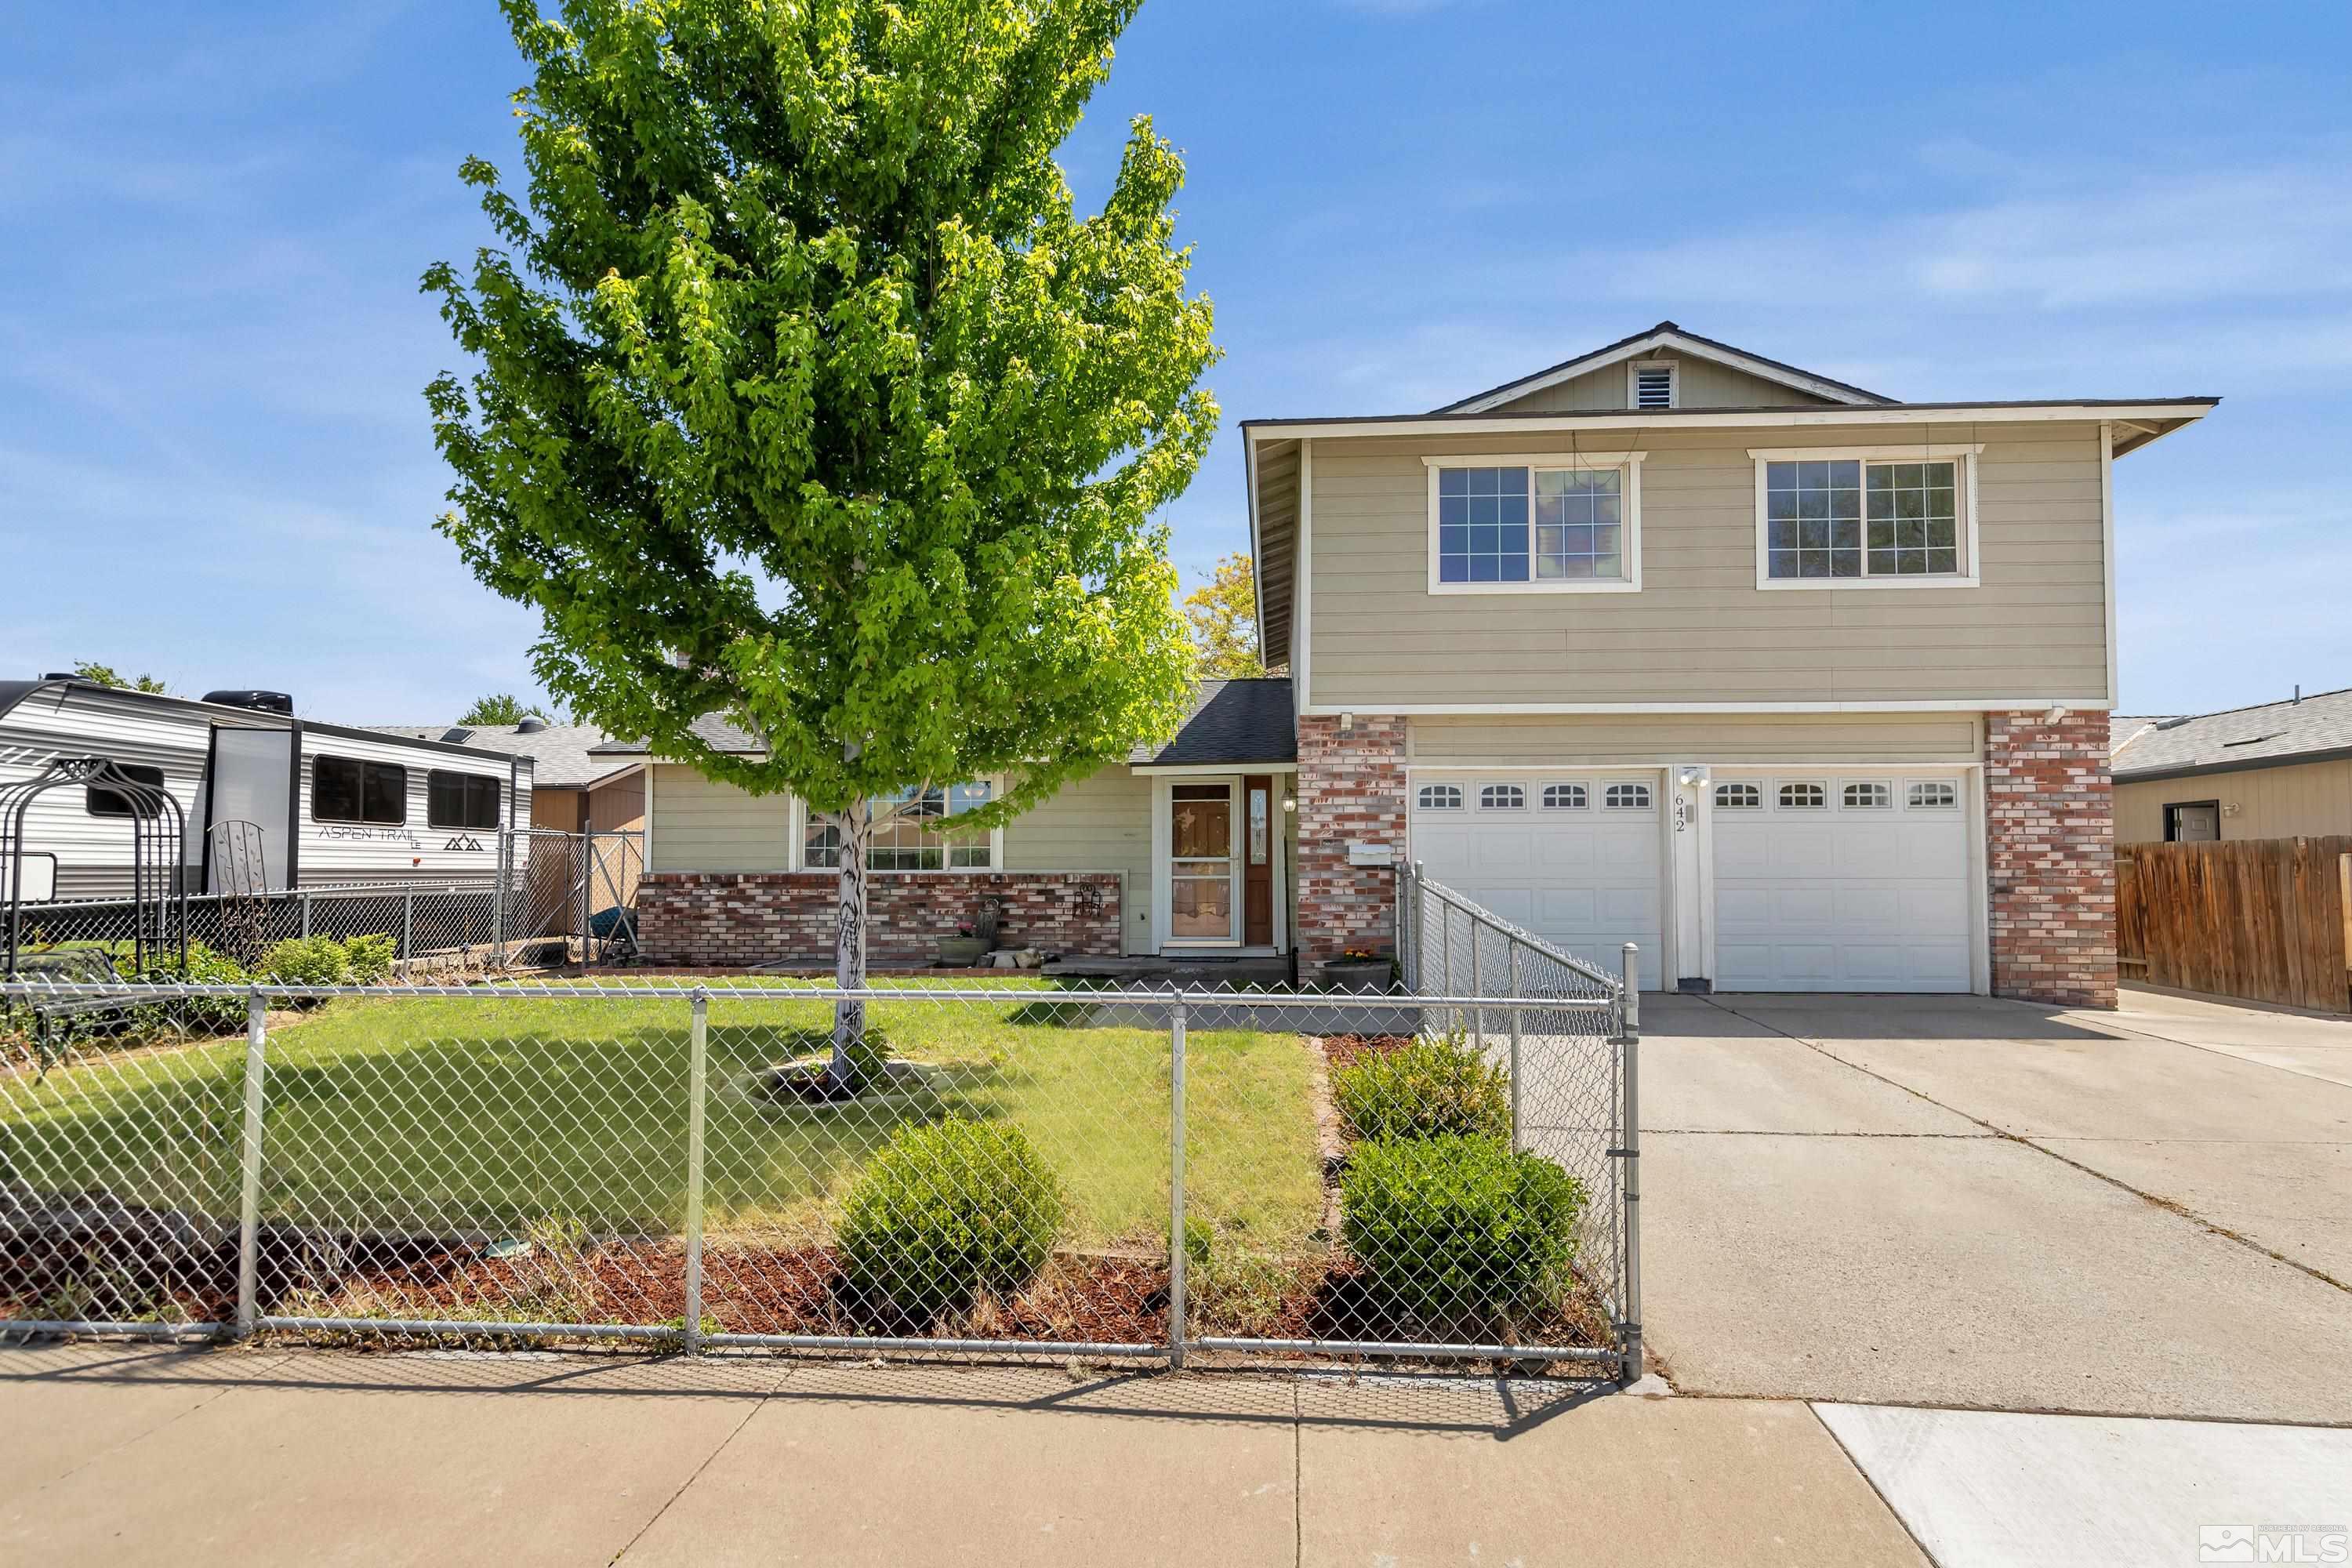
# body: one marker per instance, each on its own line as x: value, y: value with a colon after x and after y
x: 1654, y: 386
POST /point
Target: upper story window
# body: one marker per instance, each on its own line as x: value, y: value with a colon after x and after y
x: 460, y: 800
x: 918, y: 835
x: 344, y: 789
x: 1878, y: 517
x: 1653, y: 383
x: 1550, y: 524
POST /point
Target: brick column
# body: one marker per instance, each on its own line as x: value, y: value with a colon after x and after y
x: 2050, y: 852
x: 1351, y: 790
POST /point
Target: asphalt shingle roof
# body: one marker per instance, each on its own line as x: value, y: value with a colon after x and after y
x: 1232, y: 721
x: 2273, y: 731
x: 562, y: 756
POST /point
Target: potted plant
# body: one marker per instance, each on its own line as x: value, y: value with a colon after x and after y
x: 963, y: 950
x: 1358, y: 969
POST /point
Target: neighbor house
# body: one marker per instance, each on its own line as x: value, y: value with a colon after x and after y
x: 1794, y: 685
x: 2281, y: 770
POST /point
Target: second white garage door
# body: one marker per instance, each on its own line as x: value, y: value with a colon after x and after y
x: 1573, y: 858
x: 1824, y: 883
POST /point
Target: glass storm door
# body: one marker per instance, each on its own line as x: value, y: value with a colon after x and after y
x: 1200, y: 862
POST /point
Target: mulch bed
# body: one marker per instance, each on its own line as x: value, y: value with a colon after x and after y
x: 1343, y: 1049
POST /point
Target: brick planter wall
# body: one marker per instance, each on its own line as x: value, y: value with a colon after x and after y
x: 2050, y: 829
x: 735, y: 920
x: 1351, y: 790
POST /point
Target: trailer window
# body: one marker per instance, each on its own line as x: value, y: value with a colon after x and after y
x: 460, y: 800
x: 344, y: 789
x: 100, y: 801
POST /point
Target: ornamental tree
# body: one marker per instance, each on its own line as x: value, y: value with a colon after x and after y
x: 805, y: 399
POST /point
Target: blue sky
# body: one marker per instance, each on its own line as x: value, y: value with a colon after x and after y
x: 214, y: 457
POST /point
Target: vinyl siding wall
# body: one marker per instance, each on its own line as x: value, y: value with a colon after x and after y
x: 1726, y: 738
x: 1700, y: 630
x: 698, y: 826
x: 2300, y: 799
x: 1099, y: 823
x: 1700, y: 383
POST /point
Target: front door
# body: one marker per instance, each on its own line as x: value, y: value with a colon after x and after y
x: 1257, y: 861
x: 1201, y: 863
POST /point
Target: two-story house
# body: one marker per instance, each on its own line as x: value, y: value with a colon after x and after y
x: 1794, y: 685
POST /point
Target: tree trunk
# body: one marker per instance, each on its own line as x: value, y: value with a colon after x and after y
x: 849, y: 945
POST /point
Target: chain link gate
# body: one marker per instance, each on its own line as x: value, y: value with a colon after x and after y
x: 1015, y: 1170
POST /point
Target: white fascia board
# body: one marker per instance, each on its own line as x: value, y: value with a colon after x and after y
x: 1644, y: 346
x: 1205, y: 770
x: 1498, y: 709
x: 1658, y: 420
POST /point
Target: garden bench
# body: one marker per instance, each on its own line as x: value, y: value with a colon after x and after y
x: 75, y: 966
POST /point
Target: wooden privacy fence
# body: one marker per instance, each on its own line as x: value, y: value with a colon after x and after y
x: 2264, y: 919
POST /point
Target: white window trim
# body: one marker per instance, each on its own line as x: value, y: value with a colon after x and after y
x: 799, y: 823
x: 1964, y: 453
x: 1634, y: 369
x: 1630, y: 462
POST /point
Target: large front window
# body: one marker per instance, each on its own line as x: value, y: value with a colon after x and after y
x: 918, y: 833
x: 1864, y: 518
x: 1528, y: 525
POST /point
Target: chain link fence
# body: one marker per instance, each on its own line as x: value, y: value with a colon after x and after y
x: 554, y: 899
x: 1020, y: 1169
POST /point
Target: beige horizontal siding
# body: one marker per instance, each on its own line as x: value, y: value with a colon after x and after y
x: 1726, y: 738
x: 1702, y: 384
x: 2300, y: 799
x: 1099, y: 823
x: 1700, y: 630
x: 698, y: 826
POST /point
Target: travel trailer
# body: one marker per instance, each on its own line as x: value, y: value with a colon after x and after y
x: 329, y: 805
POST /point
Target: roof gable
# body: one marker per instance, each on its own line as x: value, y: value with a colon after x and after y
x: 1668, y: 338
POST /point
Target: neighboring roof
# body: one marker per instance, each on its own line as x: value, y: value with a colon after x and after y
x: 1232, y: 721
x: 2124, y: 728
x: 2313, y: 729
x: 1666, y: 335
x: 562, y: 756
x: 716, y: 732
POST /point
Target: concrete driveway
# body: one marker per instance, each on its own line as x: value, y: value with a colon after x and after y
x: 1960, y: 1201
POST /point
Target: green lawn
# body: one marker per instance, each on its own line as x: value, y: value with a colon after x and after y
x: 443, y: 1115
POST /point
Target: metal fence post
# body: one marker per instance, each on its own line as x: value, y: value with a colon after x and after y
x: 1630, y: 1147
x: 499, y: 900
x: 1479, y: 1015
x: 248, y: 1222
x: 1518, y: 1096
x: 587, y: 880
x: 408, y: 921
x: 698, y: 1077
x: 305, y: 901
x: 1176, y: 1248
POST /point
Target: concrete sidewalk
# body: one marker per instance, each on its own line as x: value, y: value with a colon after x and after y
x: 130, y: 1455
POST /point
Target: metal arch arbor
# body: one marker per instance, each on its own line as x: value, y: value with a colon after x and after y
x: 158, y: 828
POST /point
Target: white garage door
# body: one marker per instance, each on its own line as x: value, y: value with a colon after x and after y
x: 1573, y: 858
x: 1824, y: 883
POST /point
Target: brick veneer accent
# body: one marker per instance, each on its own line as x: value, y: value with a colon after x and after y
x: 2050, y: 852
x: 1351, y: 790
x: 736, y: 919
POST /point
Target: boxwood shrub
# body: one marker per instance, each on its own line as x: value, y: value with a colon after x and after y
x: 305, y: 961
x: 947, y: 1210
x: 1437, y: 1086
x: 1452, y: 1229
